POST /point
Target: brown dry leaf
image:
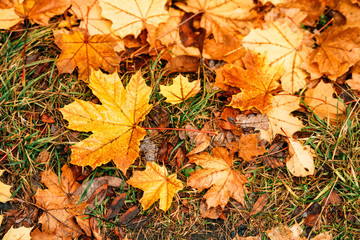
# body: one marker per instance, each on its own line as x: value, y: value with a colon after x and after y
x: 248, y: 147
x: 293, y: 233
x: 280, y: 118
x: 256, y: 121
x: 132, y: 16
x: 60, y: 205
x: 321, y: 101
x: 114, y: 124
x: 257, y: 82
x: 354, y: 82
x: 281, y: 45
x: 259, y: 204
x: 21, y: 233
x: 156, y: 184
x: 222, y: 17
x: 44, y: 156
x: 182, y: 63
x: 350, y: 11
x: 86, y: 53
x: 180, y: 90
x: 37, y: 11
x: 218, y: 175
x: 337, y: 50
x: 301, y: 162
x: 5, y: 193
x: 333, y: 198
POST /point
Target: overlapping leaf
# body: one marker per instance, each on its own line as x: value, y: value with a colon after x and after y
x: 86, y: 53
x: 116, y: 133
x: 156, y: 184
x: 282, y: 46
x: 132, y: 16
x: 256, y: 82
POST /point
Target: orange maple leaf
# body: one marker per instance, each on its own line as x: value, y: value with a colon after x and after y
x: 132, y: 16
x: 38, y: 11
x: 60, y: 206
x: 219, y: 175
x: 248, y: 147
x: 156, y: 184
x: 86, y: 53
x: 257, y: 82
x: 114, y: 124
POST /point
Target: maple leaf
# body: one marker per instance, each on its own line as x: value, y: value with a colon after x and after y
x: 336, y: 52
x: 59, y: 204
x: 219, y: 175
x: 301, y: 162
x: 86, y: 53
x: 131, y: 17
x: 222, y: 17
x: 257, y: 82
x: 21, y: 233
x: 248, y: 147
x: 38, y: 11
x: 5, y: 193
x: 156, y: 184
x: 280, y: 118
x: 282, y: 46
x: 114, y: 124
x: 180, y: 90
x: 321, y: 101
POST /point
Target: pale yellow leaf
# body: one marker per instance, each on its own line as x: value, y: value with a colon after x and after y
x: 301, y: 162
x: 5, y: 193
x: 21, y: 233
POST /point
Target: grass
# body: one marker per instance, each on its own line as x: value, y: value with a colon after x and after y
x: 23, y: 135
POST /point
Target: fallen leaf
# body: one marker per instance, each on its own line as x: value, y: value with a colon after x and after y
x: 131, y: 17
x: 222, y: 17
x: 282, y: 46
x: 256, y: 121
x: 257, y: 80
x: 114, y: 124
x: 60, y: 205
x: 44, y: 156
x: 259, y: 204
x: 47, y: 119
x: 293, y: 233
x: 115, y: 206
x: 248, y: 147
x: 181, y: 64
x: 86, y: 53
x: 149, y: 149
x: 21, y: 233
x: 156, y: 184
x: 5, y: 193
x: 129, y: 215
x: 37, y: 11
x: 321, y: 101
x: 180, y: 90
x: 333, y: 198
x: 336, y: 51
x: 206, y: 212
x: 218, y: 175
x: 301, y: 162
x: 280, y: 118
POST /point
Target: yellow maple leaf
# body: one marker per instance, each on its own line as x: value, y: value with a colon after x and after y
x: 282, y: 46
x: 114, y: 124
x: 132, y: 16
x: 21, y: 233
x: 321, y: 101
x: 60, y: 205
x: 156, y: 184
x: 5, y: 193
x: 180, y: 90
x: 219, y: 175
x: 221, y: 17
x: 280, y: 118
x: 257, y: 82
x: 86, y: 53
